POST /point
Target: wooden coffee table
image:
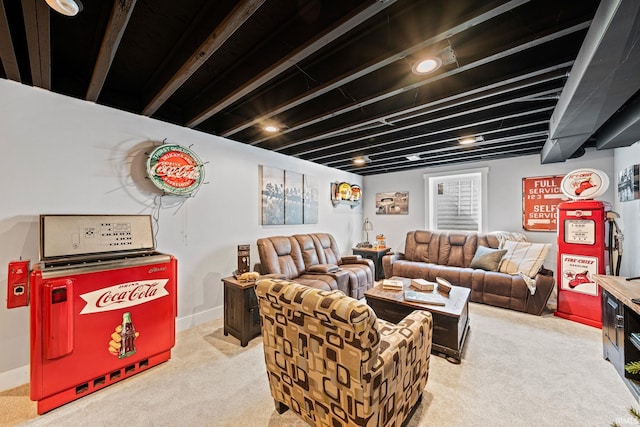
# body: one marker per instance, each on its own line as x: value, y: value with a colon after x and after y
x: 450, y: 322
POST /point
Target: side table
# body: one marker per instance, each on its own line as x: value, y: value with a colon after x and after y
x: 241, y: 313
x: 376, y: 256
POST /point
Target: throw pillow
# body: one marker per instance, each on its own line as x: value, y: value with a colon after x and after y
x: 487, y: 258
x: 523, y: 257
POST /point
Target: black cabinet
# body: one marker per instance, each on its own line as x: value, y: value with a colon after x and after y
x: 621, y: 338
x: 241, y: 313
x: 374, y: 255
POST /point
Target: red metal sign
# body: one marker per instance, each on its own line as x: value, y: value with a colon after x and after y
x: 540, y: 199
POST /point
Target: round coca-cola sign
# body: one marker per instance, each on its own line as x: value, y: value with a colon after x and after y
x: 175, y: 169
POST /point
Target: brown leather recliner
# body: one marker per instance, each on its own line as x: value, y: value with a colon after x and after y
x: 361, y: 270
x: 314, y: 260
x: 282, y: 255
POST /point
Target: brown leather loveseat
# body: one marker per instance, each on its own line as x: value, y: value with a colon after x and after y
x: 314, y: 260
x: 450, y: 255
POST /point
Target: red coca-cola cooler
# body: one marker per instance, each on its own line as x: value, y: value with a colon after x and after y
x: 103, y: 305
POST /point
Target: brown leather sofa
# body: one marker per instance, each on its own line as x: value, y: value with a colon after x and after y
x: 314, y: 260
x: 431, y: 254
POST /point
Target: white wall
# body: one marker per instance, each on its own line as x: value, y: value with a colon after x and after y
x: 629, y: 212
x: 504, y: 195
x: 63, y: 155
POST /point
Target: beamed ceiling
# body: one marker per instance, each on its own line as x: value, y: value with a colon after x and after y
x: 335, y: 76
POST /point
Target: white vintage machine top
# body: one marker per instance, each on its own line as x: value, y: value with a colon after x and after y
x: 94, y: 236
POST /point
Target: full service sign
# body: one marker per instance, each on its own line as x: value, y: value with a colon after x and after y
x: 175, y: 169
x: 540, y: 199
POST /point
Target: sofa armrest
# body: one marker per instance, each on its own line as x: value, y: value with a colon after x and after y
x: 387, y: 263
x: 544, y: 286
x: 350, y: 259
x: 323, y: 268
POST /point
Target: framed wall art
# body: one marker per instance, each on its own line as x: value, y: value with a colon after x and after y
x: 629, y: 183
x: 272, y: 194
x: 395, y: 203
x: 287, y: 198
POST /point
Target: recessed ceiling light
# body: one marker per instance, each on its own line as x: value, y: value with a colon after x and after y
x: 470, y: 140
x: 427, y: 65
x: 65, y: 7
x: 361, y: 161
x: 271, y: 128
x: 413, y: 157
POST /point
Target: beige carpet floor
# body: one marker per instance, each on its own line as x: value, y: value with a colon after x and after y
x: 517, y: 370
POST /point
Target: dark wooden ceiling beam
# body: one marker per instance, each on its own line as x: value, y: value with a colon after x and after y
x: 37, y: 28
x: 295, y: 57
x: 238, y: 16
x: 389, y: 94
x: 7, y: 54
x: 120, y: 14
x: 363, y: 71
x: 419, y: 148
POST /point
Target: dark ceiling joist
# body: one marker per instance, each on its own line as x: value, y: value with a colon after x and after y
x: 396, y: 128
x: 36, y: 25
x: 363, y: 71
x: 416, y: 147
x: 438, y: 154
x: 454, y: 145
x: 389, y: 94
x: 120, y: 14
x: 240, y: 14
x: 295, y: 57
x: 447, y: 102
x: 7, y: 54
x: 471, y: 156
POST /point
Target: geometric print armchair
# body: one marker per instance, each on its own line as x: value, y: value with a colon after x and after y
x: 331, y: 361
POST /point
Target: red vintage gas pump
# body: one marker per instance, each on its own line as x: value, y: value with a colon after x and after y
x: 584, y: 228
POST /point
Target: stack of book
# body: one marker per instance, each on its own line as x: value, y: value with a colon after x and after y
x: 393, y: 284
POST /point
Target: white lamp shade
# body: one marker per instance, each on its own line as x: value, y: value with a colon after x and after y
x: 65, y: 7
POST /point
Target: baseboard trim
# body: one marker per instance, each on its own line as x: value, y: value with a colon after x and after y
x: 196, y: 319
x: 14, y: 378
x: 19, y: 376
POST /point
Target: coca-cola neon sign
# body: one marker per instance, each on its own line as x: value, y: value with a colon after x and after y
x: 175, y: 169
x: 124, y: 295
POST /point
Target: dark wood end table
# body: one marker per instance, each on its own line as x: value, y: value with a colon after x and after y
x: 376, y: 256
x: 241, y: 313
x: 450, y: 322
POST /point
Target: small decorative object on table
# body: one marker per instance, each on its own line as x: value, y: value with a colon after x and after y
x: 425, y: 297
x: 243, y: 258
x: 423, y: 285
x: 393, y: 284
x: 249, y: 276
x: 443, y: 285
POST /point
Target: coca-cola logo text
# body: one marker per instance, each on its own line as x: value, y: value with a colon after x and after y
x: 124, y: 295
x: 175, y: 169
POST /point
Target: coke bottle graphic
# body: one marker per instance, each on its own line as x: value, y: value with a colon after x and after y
x: 128, y: 335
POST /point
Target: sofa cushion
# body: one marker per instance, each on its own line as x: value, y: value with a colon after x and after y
x: 523, y: 257
x: 487, y: 258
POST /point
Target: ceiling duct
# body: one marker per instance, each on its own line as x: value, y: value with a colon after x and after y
x: 604, y: 77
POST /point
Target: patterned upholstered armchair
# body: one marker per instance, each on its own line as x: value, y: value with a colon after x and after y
x: 332, y: 362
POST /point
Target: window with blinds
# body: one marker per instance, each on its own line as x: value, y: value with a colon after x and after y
x: 456, y: 202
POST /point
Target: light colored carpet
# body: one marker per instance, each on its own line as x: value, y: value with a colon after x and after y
x: 517, y: 370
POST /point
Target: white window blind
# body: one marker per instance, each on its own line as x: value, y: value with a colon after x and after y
x: 456, y: 202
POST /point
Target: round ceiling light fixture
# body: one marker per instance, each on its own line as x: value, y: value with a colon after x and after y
x: 271, y: 128
x: 427, y: 65
x: 66, y: 7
